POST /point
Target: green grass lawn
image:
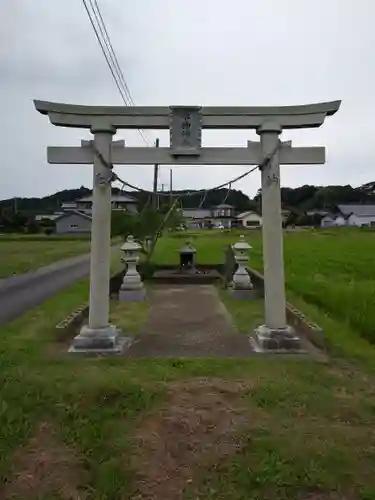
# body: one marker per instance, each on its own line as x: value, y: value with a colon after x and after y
x: 115, y: 428
x: 210, y: 246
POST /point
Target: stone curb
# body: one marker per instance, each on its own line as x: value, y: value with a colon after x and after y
x: 313, y: 332
x: 68, y: 326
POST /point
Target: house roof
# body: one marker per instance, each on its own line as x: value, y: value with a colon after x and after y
x: 114, y: 198
x: 73, y: 212
x: 245, y: 214
x: 224, y: 205
x: 196, y: 213
x: 359, y: 210
x: 317, y: 212
x: 41, y: 217
x: 68, y: 204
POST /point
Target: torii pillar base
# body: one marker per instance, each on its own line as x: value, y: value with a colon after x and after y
x: 100, y: 341
x: 276, y: 340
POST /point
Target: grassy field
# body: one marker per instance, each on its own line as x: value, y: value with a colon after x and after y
x: 19, y: 254
x: 24, y: 255
x: 335, y: 271
x: 215, y: 429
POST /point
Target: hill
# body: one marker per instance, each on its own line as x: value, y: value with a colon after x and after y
x: 53, y: 202
x: 303, y: 198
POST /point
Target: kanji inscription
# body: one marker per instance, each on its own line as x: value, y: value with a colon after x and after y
x: 186, y: 130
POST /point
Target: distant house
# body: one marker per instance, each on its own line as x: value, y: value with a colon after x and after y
x: 250, y: 219
x: 118, y: 202
x: 75, y: 216
x: 220, y: 216
x: 350, y: 215
x: 73, y: 222
x: 224, y: 216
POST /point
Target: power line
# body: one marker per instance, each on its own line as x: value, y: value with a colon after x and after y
x: 125, y: 94
x: 109, y: 52
x: 111, y: 49
x: 103, y: 50
x: 110, y: 58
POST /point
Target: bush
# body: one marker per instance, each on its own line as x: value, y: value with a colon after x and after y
x: 146, y: 269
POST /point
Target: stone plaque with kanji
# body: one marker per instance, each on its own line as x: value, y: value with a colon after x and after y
x: 185, y: 130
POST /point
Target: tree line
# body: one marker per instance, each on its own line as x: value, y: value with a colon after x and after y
x: 19, y: 213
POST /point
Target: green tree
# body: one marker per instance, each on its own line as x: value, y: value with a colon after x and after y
x: 146, y: 226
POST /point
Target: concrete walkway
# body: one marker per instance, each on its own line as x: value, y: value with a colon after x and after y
x: 189, y: 322
x: 22, y: 292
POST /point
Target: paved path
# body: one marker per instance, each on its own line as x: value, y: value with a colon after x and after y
x: 189, y: 322
x: 21, y: 292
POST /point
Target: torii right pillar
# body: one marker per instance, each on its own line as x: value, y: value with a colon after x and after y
x: 275, y: 335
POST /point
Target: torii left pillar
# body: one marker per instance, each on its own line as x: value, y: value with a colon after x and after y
x: 99, y: 335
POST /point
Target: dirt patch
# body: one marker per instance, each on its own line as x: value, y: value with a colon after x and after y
x: 197, y: 426
x: 189, y: 322
x: 43, y: 468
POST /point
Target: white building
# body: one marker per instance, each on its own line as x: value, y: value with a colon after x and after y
x: 250, y: 219
x: 350, y: 215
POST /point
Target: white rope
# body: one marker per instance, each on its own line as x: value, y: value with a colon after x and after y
x: 114, y: 177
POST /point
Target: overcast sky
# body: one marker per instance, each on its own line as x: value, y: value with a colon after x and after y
x: 205, y: 52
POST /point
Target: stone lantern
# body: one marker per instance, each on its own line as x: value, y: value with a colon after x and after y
x: 132, y: 287
x: 242, y: 286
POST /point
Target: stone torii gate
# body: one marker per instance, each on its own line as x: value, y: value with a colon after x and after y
x: 185, y: 124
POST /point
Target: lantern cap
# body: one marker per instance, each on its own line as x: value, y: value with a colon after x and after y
x: 130, y: 245
x: 242, y: 244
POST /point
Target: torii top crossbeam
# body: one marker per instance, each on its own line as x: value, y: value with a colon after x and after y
x: 158, y: 117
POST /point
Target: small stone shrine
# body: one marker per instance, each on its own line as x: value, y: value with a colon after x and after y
x: 187, y: 257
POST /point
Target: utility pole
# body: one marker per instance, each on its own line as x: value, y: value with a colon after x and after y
x: 170, y: 186
x: 155, y: 188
